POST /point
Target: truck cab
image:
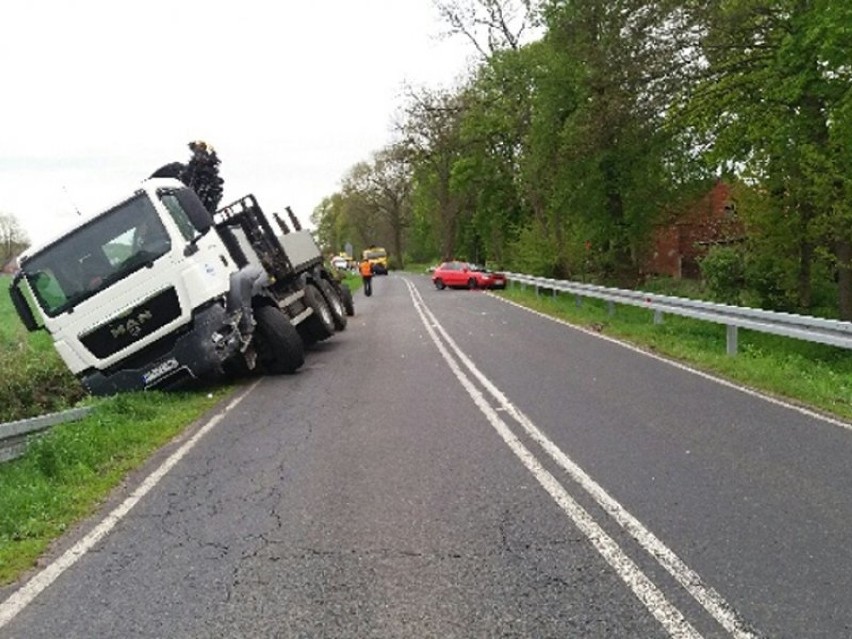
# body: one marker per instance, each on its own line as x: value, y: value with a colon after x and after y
x: 122, y: 292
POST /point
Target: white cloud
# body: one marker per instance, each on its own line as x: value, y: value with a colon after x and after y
x: 98, y: 94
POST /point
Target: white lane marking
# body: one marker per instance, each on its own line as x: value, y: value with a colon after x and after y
x: 711, y: 600
x: 29, y: 591
x: 834, y: 421
x: 666, y: 614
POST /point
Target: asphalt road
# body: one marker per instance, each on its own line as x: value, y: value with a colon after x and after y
x: 454, y: 466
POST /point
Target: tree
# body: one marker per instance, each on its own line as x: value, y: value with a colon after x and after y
x: 13, y: 238
x: 431, y: 137
x: 387, y: 186
x: 773, y: 104
x: 598, y: 146
x: 493, y: 130
x: 332, y: 225
x: 489, y: 25
x: 358, y: 208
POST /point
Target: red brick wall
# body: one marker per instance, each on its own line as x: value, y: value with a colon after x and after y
x: 677, y: 246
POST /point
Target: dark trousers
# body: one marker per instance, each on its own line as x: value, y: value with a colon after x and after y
x: 368, y: 285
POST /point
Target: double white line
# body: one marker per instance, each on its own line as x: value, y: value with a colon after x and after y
x: 648, y: 593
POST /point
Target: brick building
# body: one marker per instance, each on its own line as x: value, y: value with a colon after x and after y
x: 677, y: 246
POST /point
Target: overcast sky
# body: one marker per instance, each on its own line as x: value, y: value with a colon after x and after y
x: 96, y: 95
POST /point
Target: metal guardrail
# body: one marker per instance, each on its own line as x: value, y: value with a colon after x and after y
x: 803, y: 327
x: 15, y: 435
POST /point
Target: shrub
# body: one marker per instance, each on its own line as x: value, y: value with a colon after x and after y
x: 723, y: 271
x: 534, y: 252
x: 766, y: 281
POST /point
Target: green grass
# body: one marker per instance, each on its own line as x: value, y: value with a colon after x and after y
x: 66, y: 473
x: 353, y: 281
x: 33, y: 378
x: 809, y: 374
x: 418, y: 268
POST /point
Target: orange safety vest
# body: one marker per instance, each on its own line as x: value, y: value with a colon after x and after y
x: 366, y: 269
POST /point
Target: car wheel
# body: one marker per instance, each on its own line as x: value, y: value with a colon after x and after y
x: 277, y: 342
x: 439, y: 284
x: 335, y: 304
x: 471, y: 283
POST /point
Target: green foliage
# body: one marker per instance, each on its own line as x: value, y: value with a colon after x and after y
x: 770, y: 103
x: 674, y: 287
x: 533, y: 252
x: 723, y: 271
x: 33, y: 379
x: 766, y: 283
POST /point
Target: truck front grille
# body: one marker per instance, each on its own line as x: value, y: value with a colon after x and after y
x: 133, y: 325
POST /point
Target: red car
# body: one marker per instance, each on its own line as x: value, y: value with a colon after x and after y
x: 457, y: 274
x: 488, y: 279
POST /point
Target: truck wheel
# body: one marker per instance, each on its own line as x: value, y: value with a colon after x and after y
x: 278, y: 344
x: 321, y: 323
x: 335, y: 304
x: 346, y: 296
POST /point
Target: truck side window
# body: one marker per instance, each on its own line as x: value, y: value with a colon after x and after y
x: 49, y: 289
x: 187, y: 230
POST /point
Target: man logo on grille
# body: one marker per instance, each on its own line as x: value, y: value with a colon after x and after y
x: 132, y: 326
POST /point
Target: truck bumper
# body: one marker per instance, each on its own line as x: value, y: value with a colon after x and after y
x: 196, y: 354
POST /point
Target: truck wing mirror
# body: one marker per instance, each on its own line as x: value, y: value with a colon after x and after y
x: 200, y: 217
x: 19, y: 301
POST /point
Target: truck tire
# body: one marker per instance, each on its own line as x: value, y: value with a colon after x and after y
x: 335, y: 304
x: 321, y: 323
x: 278, y: 345
x: 348, y: 302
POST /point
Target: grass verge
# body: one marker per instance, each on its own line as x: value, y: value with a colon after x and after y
x: 67, y: 473
x: 33, y: 378
x: 813, y: 375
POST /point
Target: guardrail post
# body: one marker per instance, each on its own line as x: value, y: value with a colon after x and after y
x: 578, y: 301
x: 658, y: 317
x: 536, y: 290
x: 731, y: 339
x: 610, y: 306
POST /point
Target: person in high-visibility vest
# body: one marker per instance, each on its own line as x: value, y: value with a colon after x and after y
x: 366, y: 270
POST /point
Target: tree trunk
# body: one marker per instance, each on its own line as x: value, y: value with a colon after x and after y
x: 844, y: 279
x: 806, y: 255
x: 397, y: 239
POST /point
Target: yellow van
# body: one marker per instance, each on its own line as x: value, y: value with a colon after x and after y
x: 378, y: 258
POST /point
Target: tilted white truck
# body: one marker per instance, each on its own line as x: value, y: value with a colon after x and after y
x: 156, y: 292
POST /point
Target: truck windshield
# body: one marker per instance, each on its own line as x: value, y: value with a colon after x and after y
x: 108, y: 248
